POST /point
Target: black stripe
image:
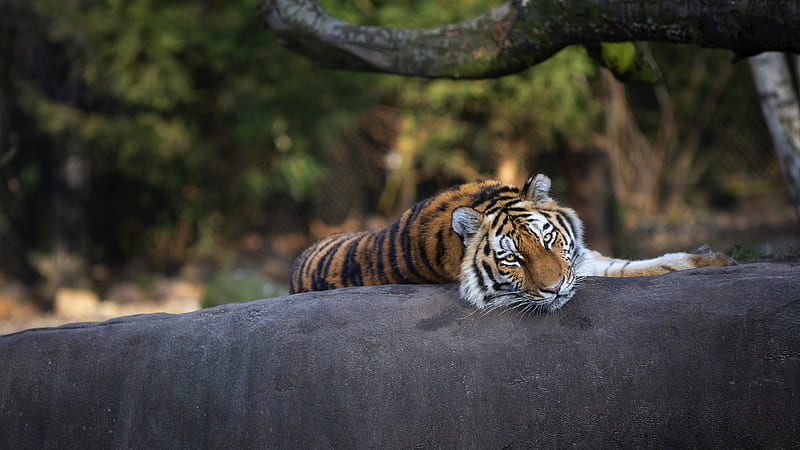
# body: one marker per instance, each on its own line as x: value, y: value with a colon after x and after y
x: 478, y: 273
x: 500, y: 286
x: 319, y: 280
x: 622, y: 269
x: 457, y: 187
x: 496, y: 220
x: 351, y: 269
x: 296, y: 285
x: 575, y: 223
x: 667, y: 268
x: 304, y: 264
x: 500, y: 203
x: 488, y: 271
x: 311, y: 264
x: 426, y: 261
x: 366, y: 260
x: 378, y: 248
x: 489, y: 192
x: 506, y: 219
x: 492, y: 209
x: 563, y: 224
x: 414, y: 223
x: 406, y: 244
x: 526, y: 188
x: 440, y: 250
x: 327, y: 259
x: 394, y: 228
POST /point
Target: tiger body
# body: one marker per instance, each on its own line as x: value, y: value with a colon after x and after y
x: 508, y: 248
x: 419, y: 247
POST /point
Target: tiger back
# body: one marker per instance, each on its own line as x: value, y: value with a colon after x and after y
x: 419, y: 247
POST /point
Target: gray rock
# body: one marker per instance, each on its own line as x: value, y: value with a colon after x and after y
x: 702, y: 358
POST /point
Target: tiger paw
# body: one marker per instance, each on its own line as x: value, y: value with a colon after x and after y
x: 705, y: 257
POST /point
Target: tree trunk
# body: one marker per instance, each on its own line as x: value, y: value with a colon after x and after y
x: 69, y: 219
x: 782, y: 113
x: 521, y: 33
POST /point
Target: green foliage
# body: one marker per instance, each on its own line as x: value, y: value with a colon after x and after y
x: 740, y: 253
x: 239, y: 286
x: 199, y: 128
x: 187, y: 111
x: 626, y: 61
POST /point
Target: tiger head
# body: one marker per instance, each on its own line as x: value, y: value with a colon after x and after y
x: 521, y: 252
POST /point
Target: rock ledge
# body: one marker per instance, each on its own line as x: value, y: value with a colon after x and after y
x: 701, y: 358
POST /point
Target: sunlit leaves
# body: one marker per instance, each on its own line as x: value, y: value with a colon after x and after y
x: 626, y: 61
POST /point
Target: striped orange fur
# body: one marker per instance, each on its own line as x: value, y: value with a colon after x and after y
x: 419, y: 247
x: 508, y: 247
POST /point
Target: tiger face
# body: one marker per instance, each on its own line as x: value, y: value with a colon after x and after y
x: 522, y: 253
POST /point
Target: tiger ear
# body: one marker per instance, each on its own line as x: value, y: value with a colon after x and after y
x: 537, y: 188
x: 466, y: 222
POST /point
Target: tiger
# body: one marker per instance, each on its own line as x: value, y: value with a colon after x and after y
x: 508, y: 248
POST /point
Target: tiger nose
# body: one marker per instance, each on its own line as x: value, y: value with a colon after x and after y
x: 554, y: 288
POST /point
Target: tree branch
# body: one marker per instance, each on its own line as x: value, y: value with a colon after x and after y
x: 521, y: 33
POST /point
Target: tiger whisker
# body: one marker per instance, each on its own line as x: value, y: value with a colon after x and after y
x: 533, y: 308
x: 524, y: 303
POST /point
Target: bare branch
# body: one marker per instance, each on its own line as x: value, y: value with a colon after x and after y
x: 520, y: 33
x: 304, y: 27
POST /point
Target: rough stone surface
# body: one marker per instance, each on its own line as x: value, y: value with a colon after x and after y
x: 702, y: 358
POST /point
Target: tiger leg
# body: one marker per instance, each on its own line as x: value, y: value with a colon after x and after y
x: 603, y: 266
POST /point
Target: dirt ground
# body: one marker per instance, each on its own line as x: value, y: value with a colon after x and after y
x: 18, y: 312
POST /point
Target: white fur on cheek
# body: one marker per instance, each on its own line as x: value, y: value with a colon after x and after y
x: 470, y: 289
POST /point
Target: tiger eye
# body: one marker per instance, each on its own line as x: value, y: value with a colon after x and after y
x: 547, y: 237
x: 510, y: 258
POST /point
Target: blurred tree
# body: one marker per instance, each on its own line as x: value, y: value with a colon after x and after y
x: 656, y: 152
x: 779, y: 102
x: 144, y: 127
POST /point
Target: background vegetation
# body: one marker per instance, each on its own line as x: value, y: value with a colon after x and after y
x: 176, y: 137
